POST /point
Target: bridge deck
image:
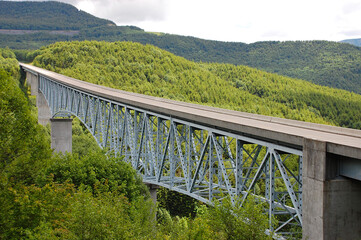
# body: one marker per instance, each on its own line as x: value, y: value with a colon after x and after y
x: 340, y: 141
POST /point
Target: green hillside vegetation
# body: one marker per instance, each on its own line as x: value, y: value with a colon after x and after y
x: 92, y: 196
x: 35, y: 40
x: 324, y: 63
x: 21, y: 139
x: 60, y: 197
x: 321, y: 62
x: 46, y: 16
x: 152, y: 71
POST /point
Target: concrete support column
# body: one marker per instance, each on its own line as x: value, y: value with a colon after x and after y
x: 331, y: 204
x: 33, y: 81
x: 44, y: 113
x: 153, y: 192
x: 61, y: 134
x: 29, y: 78
x: 34, y: 85
x: 313, y: 177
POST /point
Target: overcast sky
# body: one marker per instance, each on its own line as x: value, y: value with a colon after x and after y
x: 235, y: 20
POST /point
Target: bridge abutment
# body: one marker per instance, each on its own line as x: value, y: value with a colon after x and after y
x: 331, y: 204
x: 61, y: 134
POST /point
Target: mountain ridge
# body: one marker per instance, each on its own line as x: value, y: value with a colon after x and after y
x: 149, y: 70
x: 354, y: 41
x: 322, y: 62
x: 46, y: 16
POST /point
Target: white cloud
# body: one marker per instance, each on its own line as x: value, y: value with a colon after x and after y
x: 351, y: 7
x: 125, y: 11
x: 257, y: 20
x: 235, y: 20
x: 86, y: 6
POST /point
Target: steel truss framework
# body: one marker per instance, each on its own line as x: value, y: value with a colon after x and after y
x: 202, y: 162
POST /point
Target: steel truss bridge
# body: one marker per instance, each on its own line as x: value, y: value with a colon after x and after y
x: 206, y: 153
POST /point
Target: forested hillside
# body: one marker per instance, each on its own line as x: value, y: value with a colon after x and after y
x: 325, y: 63
x: 152, y: 71
x: 46, y: 16
x: 88, y: 195
x: 45, y: 196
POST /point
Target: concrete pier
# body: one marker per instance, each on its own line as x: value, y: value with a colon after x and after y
x: 153, y: 192
x: 33, y: 82
x: 61, y: 134
x: 331, y: 204
x: 44, y: 113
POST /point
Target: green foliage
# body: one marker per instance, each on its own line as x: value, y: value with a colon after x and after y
x: 27, y: 210
x: 325, y: 63
x: 61, y: 197
x: 152, y: 71
x: 82, y: 140
x: 176, y: 203
x: 231, y: 222
x: 110, y: 216
x: 8, y: 63
x: 23, y: 146
x: 322, y: 62
x: 59, y: 211
x: 223, y: 221
x: 183, y: 227
x: 336, y: 106
x: 92, y: 196
x: 96, y: 172
x: 25, y: 55
x: 46, y: 16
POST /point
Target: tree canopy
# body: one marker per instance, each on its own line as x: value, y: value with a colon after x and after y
x: 86, y: 195
x: 149, y: 70
x: 325, y: 63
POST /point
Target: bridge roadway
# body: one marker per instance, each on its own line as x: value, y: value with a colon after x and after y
x: 331, y: 155
x: 340, y: 141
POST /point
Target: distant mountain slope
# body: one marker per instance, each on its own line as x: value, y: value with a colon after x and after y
x: 356, y: 42
x: 46, y: 16
x: 325, y: 63
x: 152, y: 71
